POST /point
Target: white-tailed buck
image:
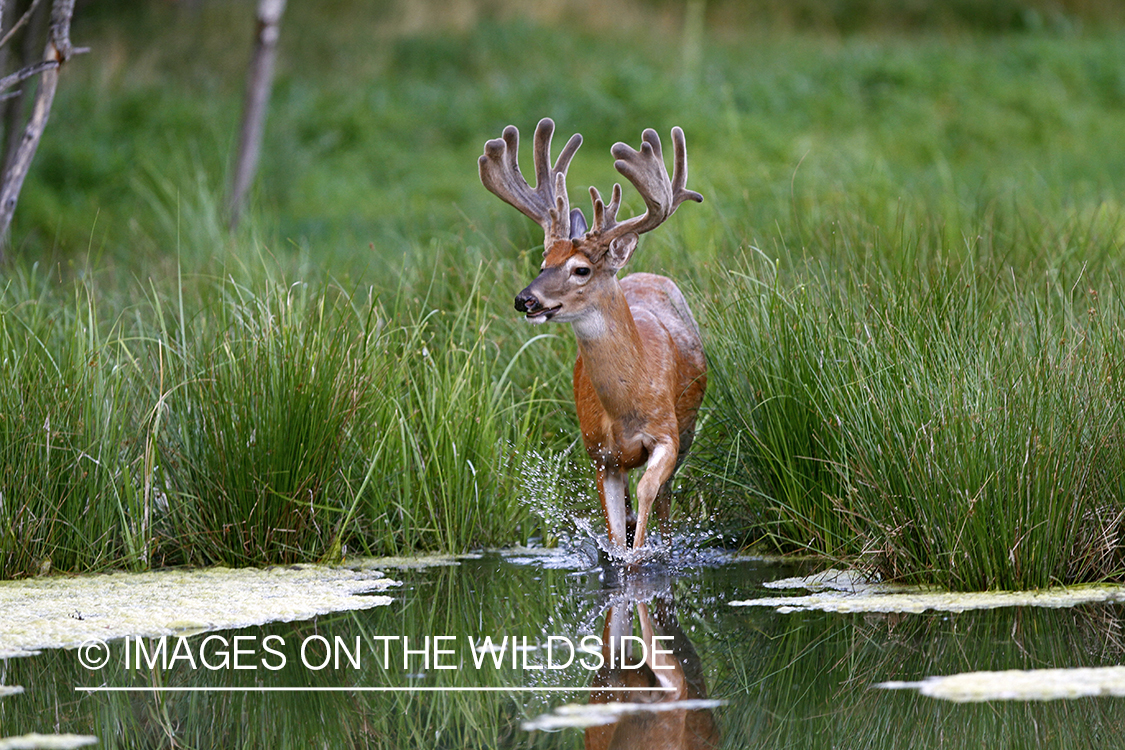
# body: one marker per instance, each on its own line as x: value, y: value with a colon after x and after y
x: 665, y: 677
x: 640, y: 374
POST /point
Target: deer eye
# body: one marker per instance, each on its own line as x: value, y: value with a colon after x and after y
x: 582, y: 271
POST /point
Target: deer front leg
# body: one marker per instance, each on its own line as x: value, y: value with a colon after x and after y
x: 661, y: 465
x: 667, y: 669
x: 612, y: 490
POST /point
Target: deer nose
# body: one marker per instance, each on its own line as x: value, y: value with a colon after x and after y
x: 527, y: 302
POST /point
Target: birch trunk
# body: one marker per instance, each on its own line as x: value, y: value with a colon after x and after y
x: 258, y: 84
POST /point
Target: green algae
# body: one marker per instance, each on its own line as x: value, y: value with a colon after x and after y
x: 846, y: 591
x: 579, y: 716
x: 46, y: 741
x: 67, y: 612
x: 834, y: 579
x: 1020, y: 685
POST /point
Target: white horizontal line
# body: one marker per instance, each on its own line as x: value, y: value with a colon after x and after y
x: 360, y: 689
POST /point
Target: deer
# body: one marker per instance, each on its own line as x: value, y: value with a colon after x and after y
x: 641, y: 372
x: 667, y: 679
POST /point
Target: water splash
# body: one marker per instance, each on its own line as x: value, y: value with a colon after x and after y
x: 556, y: 488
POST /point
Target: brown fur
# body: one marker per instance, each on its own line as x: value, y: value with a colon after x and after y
x: 641, y: 373
x: 662, y: 354
x: 680, y: 729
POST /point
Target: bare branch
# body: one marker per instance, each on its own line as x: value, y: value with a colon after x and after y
x: 22, y: 75
x: 24, y: 19
x: 58, y: 50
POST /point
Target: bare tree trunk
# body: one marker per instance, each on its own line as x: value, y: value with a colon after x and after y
x: 28, y: 33
x: 58, y: 51
x: 7, y: 13
x: 258, y: 85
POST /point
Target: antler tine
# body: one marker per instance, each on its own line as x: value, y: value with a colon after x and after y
x: 544, y: 173
x: 605, y: 216
x: 560, y: 213
x: 645, y: 169
x: 500, y: 174
x: 680, y: 193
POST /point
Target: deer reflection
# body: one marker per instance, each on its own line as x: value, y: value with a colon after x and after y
x: 667, y: 715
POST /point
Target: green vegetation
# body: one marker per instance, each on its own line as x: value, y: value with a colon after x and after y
x: 906, y: 267
x: 963, y: 429
x: 258, y: 422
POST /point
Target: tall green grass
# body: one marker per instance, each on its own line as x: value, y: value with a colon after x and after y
x: 959, y: 424
x: 257, y: 421
x: 917, y: 383
x: 446, y: 434
x: 70, y: 432
x: 258, y: 449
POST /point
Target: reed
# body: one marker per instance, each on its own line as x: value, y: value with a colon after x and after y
x: 915, y: 366
x: 70, y: 425
x: 964, y: 430
x: 257, y: 421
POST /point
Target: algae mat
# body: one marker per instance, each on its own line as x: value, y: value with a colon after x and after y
x: 63, y: 612
x: 1020, y: 685
x: 47, y: 742
x: 846, y: 591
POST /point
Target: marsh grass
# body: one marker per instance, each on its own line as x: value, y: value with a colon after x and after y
x: 445, y: 434
x: 915, y: 379
x: 964, y: 431
x: 257, y: 421
x: 259, y: 432
x: 68, y: 433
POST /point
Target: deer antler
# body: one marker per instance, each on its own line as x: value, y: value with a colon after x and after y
x: 645, y: 169
x: 547, y: 204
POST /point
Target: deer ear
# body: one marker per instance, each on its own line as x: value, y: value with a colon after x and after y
x: 620, y: 250
x: 577, y: 224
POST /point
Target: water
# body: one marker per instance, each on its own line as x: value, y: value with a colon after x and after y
x: 740, y: 676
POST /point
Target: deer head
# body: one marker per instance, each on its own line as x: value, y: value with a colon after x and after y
x: 580, y: 263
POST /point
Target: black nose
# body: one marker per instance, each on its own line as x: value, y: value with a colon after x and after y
x: 526, y: 302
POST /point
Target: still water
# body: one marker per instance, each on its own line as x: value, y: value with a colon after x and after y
x: 538, y: 649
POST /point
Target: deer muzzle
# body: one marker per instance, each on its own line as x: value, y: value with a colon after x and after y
x: 528, y: 302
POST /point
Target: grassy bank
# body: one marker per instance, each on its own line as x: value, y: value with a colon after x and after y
x: 256, y: 421
x: 906, y: 267
x: 962, y: 428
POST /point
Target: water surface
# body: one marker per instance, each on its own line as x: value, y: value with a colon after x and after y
x: 734, y: 676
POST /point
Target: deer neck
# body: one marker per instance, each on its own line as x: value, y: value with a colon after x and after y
x: 612, y: 350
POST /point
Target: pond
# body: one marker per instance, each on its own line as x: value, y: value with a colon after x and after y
x: 436, y: 667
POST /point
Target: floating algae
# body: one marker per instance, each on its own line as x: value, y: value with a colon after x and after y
x: 833, y: 579
x: 46, y: 742
x: 66, y: 612
x: 1020, y: 685
x: 843, y: 591
x: 578, y: 716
